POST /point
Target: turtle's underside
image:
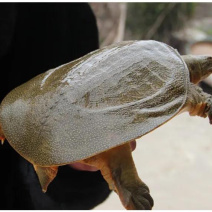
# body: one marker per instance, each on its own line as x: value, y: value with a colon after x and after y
x: 99, y: 103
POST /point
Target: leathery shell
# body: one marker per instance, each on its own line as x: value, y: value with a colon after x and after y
x: 102, y: 100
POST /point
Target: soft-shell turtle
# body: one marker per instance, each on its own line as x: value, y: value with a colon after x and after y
x: 89, y: 109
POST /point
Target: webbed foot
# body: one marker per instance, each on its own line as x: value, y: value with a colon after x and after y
x: 141, y: 199
x: 136, y: 198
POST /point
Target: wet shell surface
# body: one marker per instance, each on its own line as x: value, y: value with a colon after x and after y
x: 102, y: 100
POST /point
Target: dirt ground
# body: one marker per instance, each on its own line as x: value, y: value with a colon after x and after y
x: 175, y: 161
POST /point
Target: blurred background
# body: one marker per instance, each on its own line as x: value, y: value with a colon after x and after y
x: 175, y: 160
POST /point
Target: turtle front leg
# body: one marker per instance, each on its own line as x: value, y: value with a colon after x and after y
x: 198, y: 103
x: 118, y: 169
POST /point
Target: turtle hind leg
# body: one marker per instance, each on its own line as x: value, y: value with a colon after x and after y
x: 45, y: 175
x: 118, y: 169
x: 198, y: 103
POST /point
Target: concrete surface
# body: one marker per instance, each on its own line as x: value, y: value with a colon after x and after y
x: 175, y: 161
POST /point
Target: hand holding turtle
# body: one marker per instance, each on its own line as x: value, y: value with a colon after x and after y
x: 88, y: 111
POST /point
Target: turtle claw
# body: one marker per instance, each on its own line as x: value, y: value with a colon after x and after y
x: 2, y: 137
x: 144, y: 202
x: 2, y: 141
x: 141, y: 200
x: 137, y: 198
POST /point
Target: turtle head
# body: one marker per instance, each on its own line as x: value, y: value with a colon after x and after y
x: 200, y: 66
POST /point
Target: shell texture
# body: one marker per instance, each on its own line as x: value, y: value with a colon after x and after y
x: 100, y: 101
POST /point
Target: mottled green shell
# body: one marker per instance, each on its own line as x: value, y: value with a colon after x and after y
x: 97, y: 102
